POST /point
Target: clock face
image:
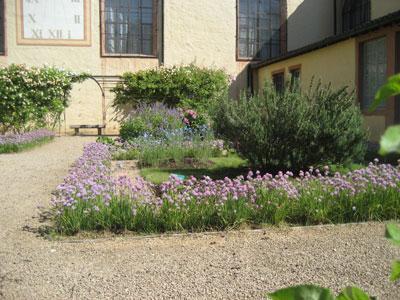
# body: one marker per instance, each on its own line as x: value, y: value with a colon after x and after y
x: 55, y: 22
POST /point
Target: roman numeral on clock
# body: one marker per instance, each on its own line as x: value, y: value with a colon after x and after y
x: 56, y: 34
x: 37, y: 33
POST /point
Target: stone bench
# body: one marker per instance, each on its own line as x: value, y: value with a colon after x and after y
x: 98, y: 127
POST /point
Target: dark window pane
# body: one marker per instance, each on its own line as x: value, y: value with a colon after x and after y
x: 355, y: 13
x: 128, y: 26
x: 259, y: 28
x: 374, y: 69
x: 295, y: 78
x: 279, y: 82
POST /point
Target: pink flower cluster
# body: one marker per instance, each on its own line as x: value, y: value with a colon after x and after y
x: 312, y: 182
x: 90, y: 180
x: 189, y: 116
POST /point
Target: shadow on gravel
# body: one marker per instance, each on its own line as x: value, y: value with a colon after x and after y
x: 43, y: 229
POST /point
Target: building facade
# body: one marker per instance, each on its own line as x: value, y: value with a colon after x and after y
x: 109, y: 37
x: 360, y: 50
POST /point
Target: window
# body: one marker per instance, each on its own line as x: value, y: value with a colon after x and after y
x: 295, y: 76
x: 128, y: 27
x: 355, y: 13
x: 259, y: 23
x: 2, y: 26
x: 373, y: 69
x: 278, y: 79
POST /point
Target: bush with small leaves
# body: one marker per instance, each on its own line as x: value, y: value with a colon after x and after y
x: 293, y: 130
x: 184, y: 86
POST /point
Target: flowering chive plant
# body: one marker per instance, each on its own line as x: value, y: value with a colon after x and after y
x: 90, y: 198
x: 17, y: 142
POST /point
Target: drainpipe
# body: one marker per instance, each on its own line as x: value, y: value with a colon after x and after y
x: 250, y: 87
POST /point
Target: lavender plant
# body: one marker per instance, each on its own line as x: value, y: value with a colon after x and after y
x: 18, y: 142
x: 154, y: 120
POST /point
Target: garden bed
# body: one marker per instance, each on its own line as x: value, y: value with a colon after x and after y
x: 91, y: 199
x: 18, y: 142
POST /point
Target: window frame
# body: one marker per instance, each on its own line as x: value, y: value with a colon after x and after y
x: 381, y: 110
x: 104, y: 53
x: 292, y: 69
x: 280, y: 72
x: 388, y: 112
x: 282, y: 32
x: 3, y: 5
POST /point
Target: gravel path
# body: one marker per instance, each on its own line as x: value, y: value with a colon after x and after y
x: 235, y: 265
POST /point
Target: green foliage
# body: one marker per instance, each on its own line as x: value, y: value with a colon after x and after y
x: 154, y: 120
x: 176, y: 152
x: 312, y: 292
x: 390, y: 141
x: 293, y: 130
x: 133, y: 128
x: 33, y: 97
x: 353, y: 293
x: 391, y: 88
x: 395, y: 271
x: 184, y: 86
x: 219, y: 168
x: 393, y: 234
x: 302, y: 292
x: 195, y: 121
x: 12, y: 148
x: 105, y: 140
x: 313, y: 207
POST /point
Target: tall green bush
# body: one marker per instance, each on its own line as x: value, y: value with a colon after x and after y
x: 293, y: 130
x: 184, y: 86
x: 33, y: 97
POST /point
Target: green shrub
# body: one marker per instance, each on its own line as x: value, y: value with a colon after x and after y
x: 132, y: 128
x: 155, y: 120
x: 184, y: 86
x: 293, y: 130
x: 33, y: 97
x: 105, y: 140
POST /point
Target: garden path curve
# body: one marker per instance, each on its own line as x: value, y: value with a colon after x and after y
x: 235, y: 265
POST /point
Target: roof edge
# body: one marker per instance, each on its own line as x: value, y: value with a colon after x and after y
x: 384, y: 21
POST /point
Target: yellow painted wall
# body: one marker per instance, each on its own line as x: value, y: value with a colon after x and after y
x: 335, y: 65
